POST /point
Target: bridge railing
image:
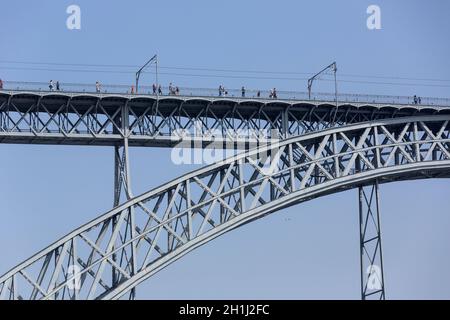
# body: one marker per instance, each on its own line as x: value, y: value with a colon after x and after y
x: 232, y: 93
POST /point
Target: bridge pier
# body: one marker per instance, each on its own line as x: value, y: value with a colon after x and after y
x: 371, y: 257
x: 123, y: 193
x: 122, y: 181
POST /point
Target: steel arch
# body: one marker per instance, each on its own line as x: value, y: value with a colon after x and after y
x: 156, y: 228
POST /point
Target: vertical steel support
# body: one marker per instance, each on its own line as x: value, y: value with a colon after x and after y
x: 371, y: 255
x: 336, y: 95
x: 122, y: 180
x: 170, y: 237
x: 122, y: 191
x: 284, y: 123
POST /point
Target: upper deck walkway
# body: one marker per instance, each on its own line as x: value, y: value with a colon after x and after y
x: 77, y: 114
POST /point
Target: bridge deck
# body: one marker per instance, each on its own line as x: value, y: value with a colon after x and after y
x: 83, y: 118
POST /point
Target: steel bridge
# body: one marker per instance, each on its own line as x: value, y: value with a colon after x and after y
x: 325, y: 147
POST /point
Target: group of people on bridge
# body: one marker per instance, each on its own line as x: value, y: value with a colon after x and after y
x: 53, y: 86
x: 417, y: 100
x: 173, y: 90
x: 224, y: 92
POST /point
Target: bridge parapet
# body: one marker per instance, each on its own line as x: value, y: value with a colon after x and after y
x: 253, y: 94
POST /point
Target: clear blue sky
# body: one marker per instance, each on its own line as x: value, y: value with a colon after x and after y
x: 306, y: 251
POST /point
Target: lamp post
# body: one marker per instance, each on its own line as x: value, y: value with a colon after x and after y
x: 333, y: 68
x: 154, y: 60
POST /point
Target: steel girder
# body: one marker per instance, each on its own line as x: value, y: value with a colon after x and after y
x: 173, y: 219
x: 90, y: 119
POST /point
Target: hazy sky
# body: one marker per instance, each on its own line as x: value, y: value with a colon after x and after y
x: 307, y: 251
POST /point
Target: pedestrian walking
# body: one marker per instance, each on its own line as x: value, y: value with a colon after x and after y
x: 97, y: 87
x: 154, y: 88
x: 160, y: 90
x: 57, y: 85
x: 258, y: 94
x: 50, y: 85
x: 1, y: 84
x: 243, y: 91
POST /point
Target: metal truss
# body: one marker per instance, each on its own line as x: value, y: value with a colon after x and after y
x: 371, y: 255
x: 148, y: 232
x: 96, y: 119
